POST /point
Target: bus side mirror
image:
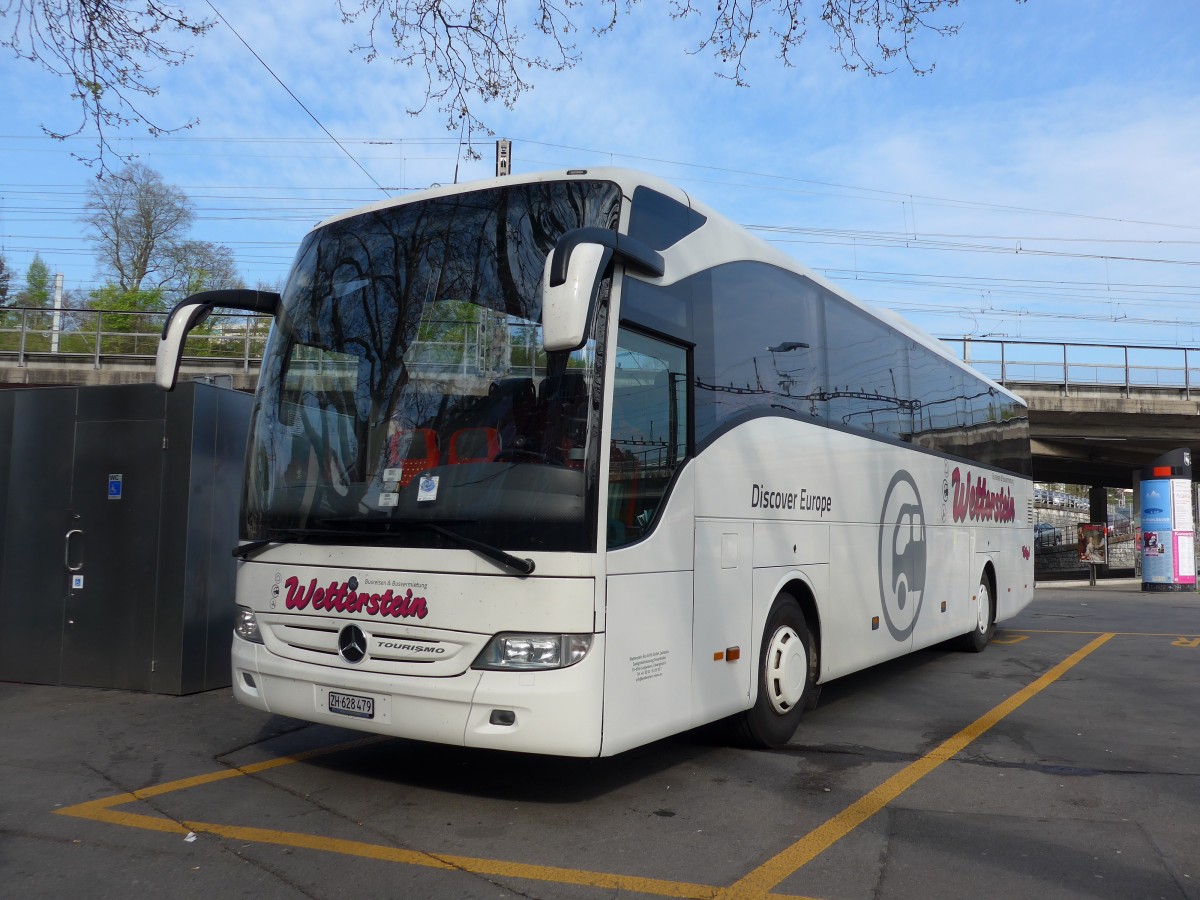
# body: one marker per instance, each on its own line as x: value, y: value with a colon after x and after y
x: 567, y: 307
x: 571, y: 280
x: 191, y: 312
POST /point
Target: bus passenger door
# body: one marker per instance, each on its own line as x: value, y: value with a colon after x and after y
x: 722, y: 645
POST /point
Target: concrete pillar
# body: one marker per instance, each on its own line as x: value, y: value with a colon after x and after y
x: 1098, y: 505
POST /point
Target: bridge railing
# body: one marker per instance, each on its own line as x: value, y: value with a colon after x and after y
x: 37, y: 334
x: 1077, y: 365
x: 29, y: 333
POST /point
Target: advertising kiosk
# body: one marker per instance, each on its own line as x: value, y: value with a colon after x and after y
x: 1167, y: 541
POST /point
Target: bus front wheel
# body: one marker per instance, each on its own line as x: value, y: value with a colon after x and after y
x: 785, y: 677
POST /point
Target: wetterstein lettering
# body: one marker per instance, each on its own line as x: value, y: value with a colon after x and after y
x: 339, y: 597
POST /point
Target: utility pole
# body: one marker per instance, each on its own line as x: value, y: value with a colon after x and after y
x: 57, y: 325
x: 503, y: 157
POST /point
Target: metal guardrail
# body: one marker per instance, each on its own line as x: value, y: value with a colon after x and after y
x: 38, y: 334
x: 77, y: 335
x: 83, y: 334
x: 1070, y: 365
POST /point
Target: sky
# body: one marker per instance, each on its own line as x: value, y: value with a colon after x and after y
x: 1041, y: 184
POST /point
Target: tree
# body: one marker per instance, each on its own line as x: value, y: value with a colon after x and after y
x: 470, y: 52
x: 39, y: 290
x: 8, y: 339
x: 138, y: 225
x: 5, y: 279
x: 125, y: 312
x: 205, y: 266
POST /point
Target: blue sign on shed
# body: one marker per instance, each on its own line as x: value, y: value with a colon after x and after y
x: 115, y: 483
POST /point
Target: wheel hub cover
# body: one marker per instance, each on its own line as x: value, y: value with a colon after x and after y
x: 787, y: 670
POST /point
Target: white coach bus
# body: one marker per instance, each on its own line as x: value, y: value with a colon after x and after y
x: 565, y: 463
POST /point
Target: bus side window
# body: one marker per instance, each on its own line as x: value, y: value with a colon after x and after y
x: 649, y: 436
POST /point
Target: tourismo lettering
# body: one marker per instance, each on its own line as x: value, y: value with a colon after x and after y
x: 342, y: 598
x: 976, y: 502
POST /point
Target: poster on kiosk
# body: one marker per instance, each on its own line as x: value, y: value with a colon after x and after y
x: 1168, y: 550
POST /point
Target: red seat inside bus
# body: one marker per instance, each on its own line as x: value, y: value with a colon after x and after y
x: 412, y: 452
x: 469, y: 445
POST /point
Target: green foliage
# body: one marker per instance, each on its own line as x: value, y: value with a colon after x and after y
x: 126, y: 326
x: 39, y: 289
x: 5, y: 279
x: 38, y: 292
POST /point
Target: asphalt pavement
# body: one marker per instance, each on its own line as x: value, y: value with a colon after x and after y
x: 1063, y: 762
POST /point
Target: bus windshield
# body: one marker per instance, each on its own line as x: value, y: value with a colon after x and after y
x: 404, y: 393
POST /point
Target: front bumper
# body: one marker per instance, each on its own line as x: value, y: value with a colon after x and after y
x: 556, y: 712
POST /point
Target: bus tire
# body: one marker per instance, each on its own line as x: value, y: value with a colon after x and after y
x: 785, y: 677
x: 978, y: 637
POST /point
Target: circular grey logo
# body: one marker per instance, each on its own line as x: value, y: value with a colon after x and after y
x: 352, y: 644
x: 902, y: 555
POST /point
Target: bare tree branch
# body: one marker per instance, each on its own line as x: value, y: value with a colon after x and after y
x: 465, y: 54
x: 471, y: 53
x: 107, y: 49
x: 891, y: 26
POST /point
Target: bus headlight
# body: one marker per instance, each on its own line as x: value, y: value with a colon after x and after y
x: 533, y: 651
x: 245, y: 625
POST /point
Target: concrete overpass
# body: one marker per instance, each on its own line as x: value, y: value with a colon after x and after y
x: 1097, y: 413
x: 1100, y: 435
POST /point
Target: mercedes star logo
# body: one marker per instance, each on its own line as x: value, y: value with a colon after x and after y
x: 352, y: 644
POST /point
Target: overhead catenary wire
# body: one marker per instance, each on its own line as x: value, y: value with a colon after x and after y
x: 41, y: 209
x: 299, y: 102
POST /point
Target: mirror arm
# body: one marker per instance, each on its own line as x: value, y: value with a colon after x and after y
x: 631, y: 252
x: 245, y: 299
x: 193, y: 310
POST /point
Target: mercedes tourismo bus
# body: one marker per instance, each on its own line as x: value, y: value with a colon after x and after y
x: 568, y: 462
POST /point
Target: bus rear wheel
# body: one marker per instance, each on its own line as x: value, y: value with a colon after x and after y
x: 785, y: 677
x: 980, y: 636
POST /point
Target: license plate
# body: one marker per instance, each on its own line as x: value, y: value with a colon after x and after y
x: 352, y: 705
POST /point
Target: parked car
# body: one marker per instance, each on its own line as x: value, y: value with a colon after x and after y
x: 1046, y: 535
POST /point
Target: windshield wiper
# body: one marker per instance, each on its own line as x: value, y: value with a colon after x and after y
x: 251, y: 548
x: 334, y: 535
x: 297, y: 536
x: 523, y: 566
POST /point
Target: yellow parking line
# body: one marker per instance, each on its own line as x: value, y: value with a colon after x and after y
x: 1010, y: 638
x: 102, y: 811
x: 91, y: 808
x: 758, y: 882
x: 383, y: 853
x: 1113, y: 633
